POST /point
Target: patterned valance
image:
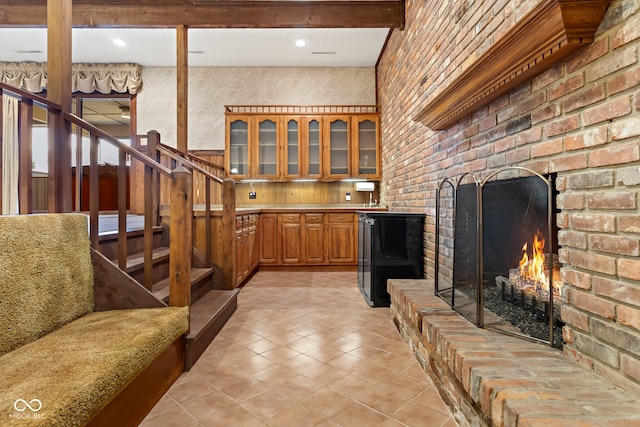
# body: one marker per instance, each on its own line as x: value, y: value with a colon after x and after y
x: 85, y: 78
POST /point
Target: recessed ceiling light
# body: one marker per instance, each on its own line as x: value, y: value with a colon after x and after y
x: 301, y: 42
x: 119, y: 42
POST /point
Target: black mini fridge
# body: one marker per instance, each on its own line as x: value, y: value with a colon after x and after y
x: 390, y: 246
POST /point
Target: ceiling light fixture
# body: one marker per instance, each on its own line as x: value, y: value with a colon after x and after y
x: 119, y: 42
x: 301, y: 42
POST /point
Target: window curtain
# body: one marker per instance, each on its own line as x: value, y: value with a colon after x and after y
x: 85, y: 78
x: 10, y: 160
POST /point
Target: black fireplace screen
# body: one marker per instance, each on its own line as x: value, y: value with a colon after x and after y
x: 494, y: 257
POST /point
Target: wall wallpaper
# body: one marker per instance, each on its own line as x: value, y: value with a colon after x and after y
x: 211, y: 88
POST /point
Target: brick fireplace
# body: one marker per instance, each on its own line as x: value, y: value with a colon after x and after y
x: 580, y: 120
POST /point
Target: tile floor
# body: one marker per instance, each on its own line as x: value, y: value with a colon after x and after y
x: 304, y: 349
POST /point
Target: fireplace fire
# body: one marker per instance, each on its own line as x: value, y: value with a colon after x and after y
x: 504, y: 274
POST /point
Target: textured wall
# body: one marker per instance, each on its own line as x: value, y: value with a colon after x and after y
x: 580, y: 119
x: 211, y: 88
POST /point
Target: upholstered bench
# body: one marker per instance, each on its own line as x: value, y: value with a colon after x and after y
x: 63, y: 363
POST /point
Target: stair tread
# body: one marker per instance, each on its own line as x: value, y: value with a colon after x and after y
x: 161, y: 288
x: 136, y: 261
x: 206, y: 309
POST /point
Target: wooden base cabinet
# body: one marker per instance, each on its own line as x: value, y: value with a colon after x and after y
x: 247, y: 255
x: 342, y: 243
x: 308, y: 239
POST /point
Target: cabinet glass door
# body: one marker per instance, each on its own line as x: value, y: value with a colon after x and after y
x: 267, y: 148
x: 293, y: 148
x: 339, y: 147
x: 239, y: 147
x: 314, y: 148
x: 367, y: 148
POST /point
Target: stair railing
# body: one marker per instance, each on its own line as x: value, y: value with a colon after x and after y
x: 212, y: 175
x: 180, y: 183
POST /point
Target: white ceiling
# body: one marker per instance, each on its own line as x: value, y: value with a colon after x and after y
x: 334, y: 47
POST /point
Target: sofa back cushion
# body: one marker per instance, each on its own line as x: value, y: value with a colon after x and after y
x: 46, y: 276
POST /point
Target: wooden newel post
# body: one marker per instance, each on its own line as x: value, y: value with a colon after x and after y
x: 229, y: 232
x: 181, y: 238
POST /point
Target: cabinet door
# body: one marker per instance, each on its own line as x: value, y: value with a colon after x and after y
x: 293, y: 152
x: 252, y: 242
x: 312, y: 164
x: 291, y: 243
x: 337, y: 142
x: 366, y: 146
x: 268, y: 236
x: 266, y: 150
x: 240, y: 257
x: 237, y: 146
x: 314, y: 252
x: 341, y: 239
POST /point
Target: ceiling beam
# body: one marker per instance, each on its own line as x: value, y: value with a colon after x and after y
x: 213, y: 14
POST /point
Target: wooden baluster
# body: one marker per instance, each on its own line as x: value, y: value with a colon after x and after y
x: 229, y: 232
x: 25, y: 148
x: 153, y: 139
x: 94, y: 190
x: 122, y: 210
x: 181, y: 237
x: 207, y: 218
x: 151, y: 208
x: 1, y: 144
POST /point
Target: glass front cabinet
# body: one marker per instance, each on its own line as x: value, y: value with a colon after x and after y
x: 314, y: 146
x: 267, y: 147
x: 366, y: 146
x: 237, y: 146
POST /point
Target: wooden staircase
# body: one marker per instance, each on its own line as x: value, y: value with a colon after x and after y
x: 211, y: 305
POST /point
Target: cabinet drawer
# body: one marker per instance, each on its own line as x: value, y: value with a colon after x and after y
x: 340, y: 218
x: 290, y: 218
x: 316, y: 218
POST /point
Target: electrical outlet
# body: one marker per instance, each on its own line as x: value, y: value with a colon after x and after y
x: 348, y: 196
x: 252, y: 194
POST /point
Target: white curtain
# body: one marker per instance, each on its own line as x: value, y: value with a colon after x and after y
x: 10, y: 160
x: 85, y: 78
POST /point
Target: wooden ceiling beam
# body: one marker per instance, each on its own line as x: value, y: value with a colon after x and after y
x: 214, y: 14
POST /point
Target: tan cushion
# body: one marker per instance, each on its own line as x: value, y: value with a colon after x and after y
x: 46, y: 276
x: 76, y: 370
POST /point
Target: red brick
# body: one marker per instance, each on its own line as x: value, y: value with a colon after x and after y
x: 611, y: 109
x: 507, y: 113
x: 615, y: 61
x: 615, y: 154
x: 588, y: 55
x: 570, y: 201
x: 614, y: 244
x: 589, y: 138
x: 591, y: 179
x: 487, y: 123
x: 530, y: 135
x: 532, y: 102
x: 629, y: 316
x: 603, y: 223
x: 614, y: 200
x: 629, y: 365
x: 575, y: 318
x: 628, y: 32
x: 562, y: 220
x: 629, y: 224
x: 517, y: 156
x: 574, y: 239
x: 499, y: 104
x: 564, y: 87
x: 589, y: 261
x: 545, y: 113
x: 549, y: 76
x: 590, y: 96
x: 545, y: 149
x: 592, y: 304
x: 568, y: 163
x: 629, y: 268
x: 576, y: 278
x: 616, y: 290
x: 623, y: 129
x: 564, y: 125
x: 627, y: 80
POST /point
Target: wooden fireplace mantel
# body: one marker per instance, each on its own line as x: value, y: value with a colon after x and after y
x: 545, y: 36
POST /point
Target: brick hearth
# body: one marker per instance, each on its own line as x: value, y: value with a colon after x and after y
x: 492, y: 379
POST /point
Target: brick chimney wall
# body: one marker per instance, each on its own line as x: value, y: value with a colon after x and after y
x: 580, y: 119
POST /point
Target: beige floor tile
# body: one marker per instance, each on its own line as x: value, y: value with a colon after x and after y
x: 356, y: 414
x: 304, y: 349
